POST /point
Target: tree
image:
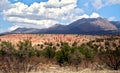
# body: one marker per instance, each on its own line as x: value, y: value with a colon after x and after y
x: 24, y: 45
x: 49, y: 52
x: 88, y: 53
x: 75, y: 57
x: 62, y: 56
x: 26, y: 56
x: 7, y: 47
x: 111, y: 57
x: 7, y: 58
x: 74, y: 44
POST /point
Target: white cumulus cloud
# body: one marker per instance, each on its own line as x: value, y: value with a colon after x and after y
x: 43, y: 14
x: 94, y: 15
x: 14, y: 27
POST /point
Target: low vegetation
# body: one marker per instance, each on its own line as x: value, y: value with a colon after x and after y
x: 25, y: 58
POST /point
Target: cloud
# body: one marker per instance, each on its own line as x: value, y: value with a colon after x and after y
x: 97, y: 4
x: 112, y: 2
x: 94, y: 15
x: 111, y: 18
x: 26, y: 23
x: 14, y: 27
x: 4, y: 4
x: 43, y: 14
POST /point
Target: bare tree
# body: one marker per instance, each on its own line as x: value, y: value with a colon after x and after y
x: 110, y: 54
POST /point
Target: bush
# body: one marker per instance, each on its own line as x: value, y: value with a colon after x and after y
x: 74, y: 44
x: 6, y: 47
x: 75, y: 57
x: 88, y: 53
x: 111, y: 58
x: 49, y: 52
x: 62, y: 56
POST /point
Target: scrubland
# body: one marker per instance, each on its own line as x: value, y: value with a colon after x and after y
x: 60, y: 53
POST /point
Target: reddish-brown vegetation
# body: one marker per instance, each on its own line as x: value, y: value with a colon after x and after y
x: 42, y: 38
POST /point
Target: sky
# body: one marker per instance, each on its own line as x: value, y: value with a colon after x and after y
x: 46, y: 13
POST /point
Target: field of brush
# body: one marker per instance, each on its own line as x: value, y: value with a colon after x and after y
x: 59, y: 53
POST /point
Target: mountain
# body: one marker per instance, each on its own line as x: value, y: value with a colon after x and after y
x: 57, y: 28
x: 25, y: 30
x: 91, y: 25
x: 81, y: 26
x: 116, y: 23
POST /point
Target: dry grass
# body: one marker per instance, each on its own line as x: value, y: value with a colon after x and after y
x: 57, y: 69
x: 87, y: 70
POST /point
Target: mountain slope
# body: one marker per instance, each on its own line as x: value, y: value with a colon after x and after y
x: 25, y: 30
x: 81, y: 26
x: 116, y: 23
x: 92, y: 24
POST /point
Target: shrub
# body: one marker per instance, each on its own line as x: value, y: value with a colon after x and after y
x: 49, y: 52
x: 6, y: 47
x: 74, y: 44
x: 88, y: 53
x: 75, y: 57
x: 111, y: 58
x: 62, y: 56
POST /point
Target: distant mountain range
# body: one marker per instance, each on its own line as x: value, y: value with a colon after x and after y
x: 81, y: 26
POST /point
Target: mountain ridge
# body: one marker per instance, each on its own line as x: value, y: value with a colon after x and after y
x: 80, y: 26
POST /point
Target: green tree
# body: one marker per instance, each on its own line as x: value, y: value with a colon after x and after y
x: 24, y: 45
x: 75, y: 57
x: 49, y: 52
x: 24, y: 48
x: 6, y: 47
x: 7, y: 58
x: 25, y: 56
x: 62, y: 56
x: 88, y: 53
